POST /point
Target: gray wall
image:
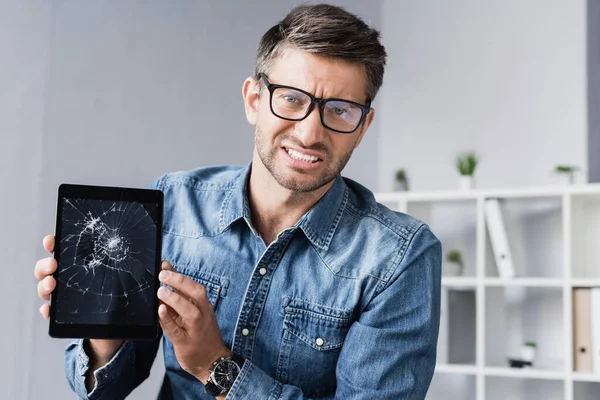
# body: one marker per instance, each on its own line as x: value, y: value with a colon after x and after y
x: 24, y: 40
x: 115, y: 93
x: 506, y: 78
x: 593, y: 79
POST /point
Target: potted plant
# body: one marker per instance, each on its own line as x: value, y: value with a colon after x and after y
x: 466, y: 164
x: 401, y: 181
x: 455, y: 257
x: 567, y: 173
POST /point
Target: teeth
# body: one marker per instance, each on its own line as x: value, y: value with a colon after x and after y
x: 302, y: 157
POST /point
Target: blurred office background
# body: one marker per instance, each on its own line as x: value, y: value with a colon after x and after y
x: 118, y: 93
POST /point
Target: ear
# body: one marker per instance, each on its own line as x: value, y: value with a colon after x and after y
x: 364, y: 127
x: 250, y: 93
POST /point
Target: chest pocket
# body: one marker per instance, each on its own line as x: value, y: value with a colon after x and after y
x: 216, y: 286
x: 313, y: 336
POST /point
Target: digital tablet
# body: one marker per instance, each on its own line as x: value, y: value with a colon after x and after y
x: 108, y: 248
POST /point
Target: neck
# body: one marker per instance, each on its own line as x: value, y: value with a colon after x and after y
x: 275, y: 208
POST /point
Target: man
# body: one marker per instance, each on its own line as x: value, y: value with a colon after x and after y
x: 288, y: 280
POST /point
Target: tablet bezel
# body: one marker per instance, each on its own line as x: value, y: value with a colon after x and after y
x: 92, y: 331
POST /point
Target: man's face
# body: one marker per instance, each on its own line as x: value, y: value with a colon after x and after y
x: 303, y: 156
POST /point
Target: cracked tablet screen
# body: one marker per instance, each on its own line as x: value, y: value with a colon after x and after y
x: 107, y: 262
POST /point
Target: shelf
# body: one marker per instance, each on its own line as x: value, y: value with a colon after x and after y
x: 452, y: 386
x: 580, y: 377
x: 586, y: 390
x: 522, y: 314
x: 535, y: 238
x: 456, y: 369
x: 585, y: 282
x: 524, y: 282
x: 459, y: 283
x: 524, y: 373
x: 553, y: 234
x: 450, y: 195
x: 519, y: 387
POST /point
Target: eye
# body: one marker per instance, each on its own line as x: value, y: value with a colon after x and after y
x: 339, y: 111
x: 291, y: 99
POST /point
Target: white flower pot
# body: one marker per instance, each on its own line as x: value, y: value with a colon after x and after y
x: 566, y: 179
x: 528, y: 353
x: 452, y: 269
x: 400, y: 186
x: 466, y: 182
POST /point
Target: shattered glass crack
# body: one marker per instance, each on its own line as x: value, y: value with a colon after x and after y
x: 107, y: 262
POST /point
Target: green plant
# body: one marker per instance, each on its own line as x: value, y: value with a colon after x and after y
x: 530, y: 344
x: 455, y: 256
x: 466, y: 164
x: 566, y: 169
x: 401, y: 179
x: 401, y: 175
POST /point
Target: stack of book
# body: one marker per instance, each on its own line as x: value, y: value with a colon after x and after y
x: 586, y: 330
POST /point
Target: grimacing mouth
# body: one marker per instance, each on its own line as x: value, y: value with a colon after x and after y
x: 287, y: 149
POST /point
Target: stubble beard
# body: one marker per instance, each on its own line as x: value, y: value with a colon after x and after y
x: 268, y: 156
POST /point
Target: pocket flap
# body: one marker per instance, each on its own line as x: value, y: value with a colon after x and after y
x: 322, y: 328
x: 216, y: 286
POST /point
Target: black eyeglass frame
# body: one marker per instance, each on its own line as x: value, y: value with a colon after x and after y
x: 271, y: 87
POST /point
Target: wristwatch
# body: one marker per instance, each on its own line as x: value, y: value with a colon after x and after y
x: 223, y: 373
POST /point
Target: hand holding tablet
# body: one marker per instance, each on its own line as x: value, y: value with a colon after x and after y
x: 108, y: 252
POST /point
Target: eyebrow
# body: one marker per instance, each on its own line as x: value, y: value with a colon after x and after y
x: 367, y: 103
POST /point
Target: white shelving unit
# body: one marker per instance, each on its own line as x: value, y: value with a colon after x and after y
x: 554, y: 236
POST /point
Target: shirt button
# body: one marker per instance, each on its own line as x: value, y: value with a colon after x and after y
x: 319, y: 342
x: 245, y: 332
x: 262, y: 271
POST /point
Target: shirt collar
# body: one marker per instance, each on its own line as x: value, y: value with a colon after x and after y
x: 318, y: 224
x: 235, y: 205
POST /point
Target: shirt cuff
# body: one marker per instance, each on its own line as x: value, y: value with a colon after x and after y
x: 253, y: 383
x: 108, y: 372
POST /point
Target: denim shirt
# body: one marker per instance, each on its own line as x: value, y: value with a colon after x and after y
x: 344, y: 304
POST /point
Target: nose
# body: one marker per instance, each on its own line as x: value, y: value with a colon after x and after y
x: 310, y: 130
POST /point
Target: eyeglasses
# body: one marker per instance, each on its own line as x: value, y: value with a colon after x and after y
x: 292, y: 104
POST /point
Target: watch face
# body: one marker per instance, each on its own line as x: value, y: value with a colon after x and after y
x: 225, y: 373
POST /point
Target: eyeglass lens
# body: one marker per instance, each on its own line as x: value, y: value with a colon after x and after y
x: 337, y: 114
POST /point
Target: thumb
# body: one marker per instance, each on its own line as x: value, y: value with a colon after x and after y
x: 48, y: 243
x: 169, y: 322
x: 167, y: 266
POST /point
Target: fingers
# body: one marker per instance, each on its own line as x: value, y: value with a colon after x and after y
x: 45, y: 287
x: 186, y: 288
x: 168, y: 318
x: 166, y: 265
x: 45, y: 267
x: 171, y: 323
x: 43, y: 270
x: 180, y: 305
x: 45, y: 310
x: 172, y: 315
x: 48, y: 243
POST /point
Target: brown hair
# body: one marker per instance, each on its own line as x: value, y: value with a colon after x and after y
x: 327, y: 31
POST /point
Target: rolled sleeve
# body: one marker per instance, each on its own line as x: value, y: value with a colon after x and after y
x: 254, y: 383
x: 77, y: 360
